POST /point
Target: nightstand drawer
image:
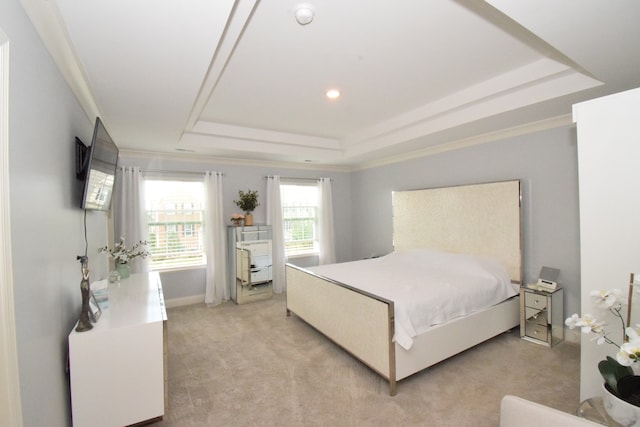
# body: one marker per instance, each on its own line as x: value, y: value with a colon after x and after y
x: 534, y: 315
x: 535, y: 300
x: 536, y: 331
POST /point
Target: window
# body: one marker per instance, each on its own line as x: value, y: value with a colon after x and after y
x: 174, y: 217
x: 299, y: 206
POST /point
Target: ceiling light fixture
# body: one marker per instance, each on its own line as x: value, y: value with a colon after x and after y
x: 333, y: 93
x: 304, y: 14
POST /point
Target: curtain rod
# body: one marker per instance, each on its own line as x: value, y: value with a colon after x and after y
x: 290, y: 178
x: 175, y: 171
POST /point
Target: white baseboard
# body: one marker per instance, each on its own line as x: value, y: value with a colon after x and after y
x: 178, y: 302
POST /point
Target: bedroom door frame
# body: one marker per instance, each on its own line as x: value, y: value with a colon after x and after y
x: 10, y: 404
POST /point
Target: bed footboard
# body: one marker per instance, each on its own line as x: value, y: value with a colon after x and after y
x: 357, y: 321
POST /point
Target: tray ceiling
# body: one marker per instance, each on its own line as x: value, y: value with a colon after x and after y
x: 244, y: 80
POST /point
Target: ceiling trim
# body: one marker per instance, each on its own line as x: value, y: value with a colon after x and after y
x: 529, y: 128
x: 542, y: 80
x: 255, y: 134
x: 538, y: 81
x: 48, y: 22
x: 238, y: 19
x: 198, y: 141
x: 207, y: 160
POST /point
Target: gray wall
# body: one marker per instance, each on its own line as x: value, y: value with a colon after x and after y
x: 546, y: 162
x: 46, y: 219
x: 185, y: 283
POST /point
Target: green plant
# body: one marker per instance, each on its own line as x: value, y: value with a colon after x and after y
x: 612, y: 372
x: 247, y: 201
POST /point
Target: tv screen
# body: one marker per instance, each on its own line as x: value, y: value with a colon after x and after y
x: 100, y: 170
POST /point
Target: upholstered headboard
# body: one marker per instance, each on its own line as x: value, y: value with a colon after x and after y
x: 479, y: 219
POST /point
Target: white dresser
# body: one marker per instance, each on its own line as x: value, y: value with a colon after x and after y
x: 118, y: 368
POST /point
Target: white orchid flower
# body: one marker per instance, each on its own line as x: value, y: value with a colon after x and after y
x: 633, y: 333
x: 629, y: 352
x: 608, y: 299
x: 586, y: 323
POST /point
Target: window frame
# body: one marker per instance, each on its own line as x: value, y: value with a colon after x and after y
x: 153, y: 221
x: 315, y: 250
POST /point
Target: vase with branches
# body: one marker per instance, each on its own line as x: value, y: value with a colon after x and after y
x: 122, y: 255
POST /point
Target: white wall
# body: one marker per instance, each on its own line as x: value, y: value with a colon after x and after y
x: 608, y: 154
x: 46, y: 221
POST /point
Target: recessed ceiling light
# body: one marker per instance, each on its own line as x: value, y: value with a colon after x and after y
x: 333, y: 93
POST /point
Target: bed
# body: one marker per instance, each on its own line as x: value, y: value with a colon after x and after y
x: 480, y: 221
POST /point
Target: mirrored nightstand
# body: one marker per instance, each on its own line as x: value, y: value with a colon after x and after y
x: 541, y: 316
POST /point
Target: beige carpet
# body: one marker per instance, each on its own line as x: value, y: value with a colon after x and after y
x: 250, y: 365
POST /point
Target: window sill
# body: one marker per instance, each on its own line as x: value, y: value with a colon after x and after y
x: 171, y: 269
x: 307, y: 255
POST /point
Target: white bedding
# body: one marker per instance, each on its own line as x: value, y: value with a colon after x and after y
x: 427, y: 287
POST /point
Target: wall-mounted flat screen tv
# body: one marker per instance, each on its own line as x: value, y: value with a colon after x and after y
x: 100, y: 163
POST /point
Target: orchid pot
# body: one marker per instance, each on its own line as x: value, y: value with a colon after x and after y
x: 621, y: 388
x: 624, y: 413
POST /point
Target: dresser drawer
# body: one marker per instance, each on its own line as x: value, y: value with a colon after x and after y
x: 257, y: 248
x: 534, y: 330
x: 535, y: 300
x: 260, y: 274
x: 536, y: 316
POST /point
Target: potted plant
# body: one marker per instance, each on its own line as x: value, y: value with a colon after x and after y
x: 247, y: 201
x: 621, y: 389
x: 121, y: 255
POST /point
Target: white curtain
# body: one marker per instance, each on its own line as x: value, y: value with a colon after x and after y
x: 129, y: 212
x: 216, y: 290
x: 274, y: 218
x: 325, y: 223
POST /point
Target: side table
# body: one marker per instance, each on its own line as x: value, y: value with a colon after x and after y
x: 541, y: 315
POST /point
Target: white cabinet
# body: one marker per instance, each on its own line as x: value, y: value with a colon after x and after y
x: 118, y: 368
x: 609, y: 193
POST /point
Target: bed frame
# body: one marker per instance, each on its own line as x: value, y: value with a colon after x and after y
x: 480, y: 219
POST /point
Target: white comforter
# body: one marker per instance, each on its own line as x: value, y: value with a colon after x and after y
x: 428, y: 287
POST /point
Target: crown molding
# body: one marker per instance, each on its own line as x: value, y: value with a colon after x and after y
x: 46, y: 19
x: 525, y: 129
x: 528, y: 128
x: 209, y: 159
